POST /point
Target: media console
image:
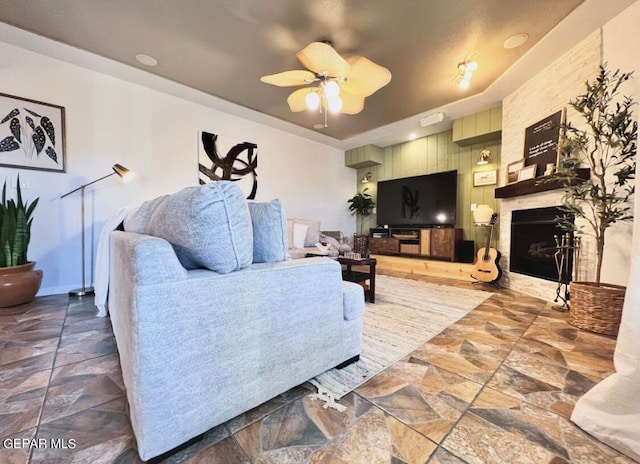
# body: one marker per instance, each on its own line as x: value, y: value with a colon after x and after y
x: 422, y: 242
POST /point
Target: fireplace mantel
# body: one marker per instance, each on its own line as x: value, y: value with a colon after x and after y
x: 530, y: 186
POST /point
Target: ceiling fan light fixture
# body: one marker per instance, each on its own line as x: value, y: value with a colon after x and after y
x: 331, y: 89
x: 335, y: 104
x: 312, y: 100
x: 342, y: 84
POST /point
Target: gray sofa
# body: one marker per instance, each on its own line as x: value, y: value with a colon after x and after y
x: 199, y: 346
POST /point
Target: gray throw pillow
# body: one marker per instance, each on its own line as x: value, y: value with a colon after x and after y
x: 209, y: 226
x: 269, y: 232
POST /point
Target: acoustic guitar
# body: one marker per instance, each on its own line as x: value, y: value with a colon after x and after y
x: 486, y: 267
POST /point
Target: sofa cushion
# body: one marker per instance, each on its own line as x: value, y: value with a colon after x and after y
x: 313, y: 231
x: 269, y: 232
x: 299, y: 233
x: 209, y: 226
x: 137, y: 220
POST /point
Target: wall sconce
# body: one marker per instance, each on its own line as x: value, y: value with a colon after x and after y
x: 484, y: 157
x: 465, y: 73
x: 366, y: 178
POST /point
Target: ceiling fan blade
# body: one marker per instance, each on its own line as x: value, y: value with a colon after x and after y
x: 289, y: 78
x: 351, y: 104
x: 320, y: 57
x: 365, y: 77
x: 297, y: 101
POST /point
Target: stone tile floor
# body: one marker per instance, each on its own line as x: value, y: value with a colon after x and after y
x: 496, y: 387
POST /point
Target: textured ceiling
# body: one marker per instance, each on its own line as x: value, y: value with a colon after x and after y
x: 223, y: 47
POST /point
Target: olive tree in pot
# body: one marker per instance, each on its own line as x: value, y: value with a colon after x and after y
x: 606, y: 143
x: 19, y: 282
x: 361, y: 204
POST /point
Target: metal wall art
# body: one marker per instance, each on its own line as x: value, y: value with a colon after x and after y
x: 221, y: 158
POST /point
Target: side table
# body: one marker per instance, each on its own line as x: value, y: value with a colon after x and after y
x: 360, y: 276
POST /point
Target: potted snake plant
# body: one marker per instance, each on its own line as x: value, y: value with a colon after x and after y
x: 19, y: 282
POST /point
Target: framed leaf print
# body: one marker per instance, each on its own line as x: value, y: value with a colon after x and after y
x: 31, y: 134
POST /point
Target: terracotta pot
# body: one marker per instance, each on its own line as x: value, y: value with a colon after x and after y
x: 596, y: 308
x: 19, y: 284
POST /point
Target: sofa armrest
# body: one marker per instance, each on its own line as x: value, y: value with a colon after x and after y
x: 144, y: 259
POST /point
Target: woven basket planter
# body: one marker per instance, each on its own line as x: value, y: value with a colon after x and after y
x: 596, y: 308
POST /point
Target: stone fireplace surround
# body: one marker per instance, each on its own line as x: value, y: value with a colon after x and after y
x: 542, y: 95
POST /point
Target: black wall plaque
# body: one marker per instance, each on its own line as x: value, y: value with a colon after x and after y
x: 541, y: 142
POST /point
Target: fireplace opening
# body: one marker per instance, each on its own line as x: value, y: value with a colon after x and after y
x: 533, y: 243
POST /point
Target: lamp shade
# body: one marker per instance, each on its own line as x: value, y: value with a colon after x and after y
x: 123, y: 172
x: 482, y: 214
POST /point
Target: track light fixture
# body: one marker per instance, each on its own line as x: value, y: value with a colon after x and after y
x: 466, y: 69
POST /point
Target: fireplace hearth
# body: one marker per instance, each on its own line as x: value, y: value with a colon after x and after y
x: 533, y: 243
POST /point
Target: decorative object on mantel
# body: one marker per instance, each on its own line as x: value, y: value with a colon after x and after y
x: 551, y: 168
x: 608, y: 147
x: 19, y: 282
x: 526, y: 173
x: 361, y: 204
x: 513, y: 171
x: 541, y: 142
x: 126, y: 176
x: 31, y: 134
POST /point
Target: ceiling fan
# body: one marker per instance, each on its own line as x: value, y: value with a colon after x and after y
x: 336, y: 84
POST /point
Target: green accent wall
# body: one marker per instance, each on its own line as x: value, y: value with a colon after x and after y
x: 438, y: 153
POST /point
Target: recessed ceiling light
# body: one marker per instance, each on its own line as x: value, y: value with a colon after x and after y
x: 412, y: 136
x: 146, y: 59
x: 515, y: 40
x: 318, y: 126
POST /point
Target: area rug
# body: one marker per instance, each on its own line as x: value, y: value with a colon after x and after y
x: 406, y: 314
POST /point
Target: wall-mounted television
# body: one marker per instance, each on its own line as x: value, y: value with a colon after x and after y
x: 425, y: 201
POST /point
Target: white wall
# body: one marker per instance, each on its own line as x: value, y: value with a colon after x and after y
x: 621, y: 36
x: 547, y: 92
x: 109, y: 120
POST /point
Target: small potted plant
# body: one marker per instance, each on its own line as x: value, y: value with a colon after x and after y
x: 606, y: 143
x: 361, y: 204
x: 19, y: 282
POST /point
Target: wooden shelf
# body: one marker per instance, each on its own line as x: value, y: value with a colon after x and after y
x: 530, y: 186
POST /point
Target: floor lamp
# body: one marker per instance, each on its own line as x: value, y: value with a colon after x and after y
x: 126, y: 175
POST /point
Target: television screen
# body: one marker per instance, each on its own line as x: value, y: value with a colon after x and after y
x: 428, y: 200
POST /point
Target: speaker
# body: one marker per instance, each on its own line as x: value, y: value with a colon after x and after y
x: 465, y: 251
